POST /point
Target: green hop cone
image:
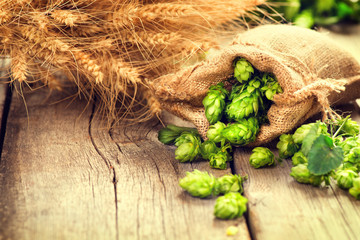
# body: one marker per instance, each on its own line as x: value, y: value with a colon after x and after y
x: 304, y: 19
x: 219, y: 160
x: 253, y: 85
x: 348, y: 127
x: 291, y: 8
x: 353, y: 158
x: 214, y: 132
x: 302, y: 131
x: 236, y: 90
x: 198, y: 184
x: 230, y: 183
x: 355, y: 190
x: 244, y: 105
x: 242, y: 132
x: 344, y: 178
x: 261, y: 157
x: 170, y: 133
x: 231, y: 205
x: 302, y: 174
x: 188, y: 147
x: 242, y: 70
x: 299, y: 158
x: 271, y: 86
x: 214, y: 103
x: 207, y: 148
x: 186, y: 137
x: 349, y: 143
x: 287, y: 147
x: 348, y: 165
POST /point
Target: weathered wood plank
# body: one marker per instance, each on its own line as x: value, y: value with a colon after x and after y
x: 53, y: 183
x: 281, y: 208
x: 63, y: 179
x: 150, y: 204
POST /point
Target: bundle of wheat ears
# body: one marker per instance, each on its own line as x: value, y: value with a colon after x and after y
x: 112, y: 49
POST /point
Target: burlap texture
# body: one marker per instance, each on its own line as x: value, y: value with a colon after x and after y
x: 313, y: 71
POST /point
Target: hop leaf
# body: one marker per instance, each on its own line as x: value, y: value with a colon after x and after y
x: 198, y: 184
x: 230, y: 206
x: 188, y: 147
x: 261, y: 157
x: 324, y: 156
x: 314, y: 131
x: 355, y: 190
x: 168, y: 134
x: 243, y: 70
x: 242, y: 132
x: 302, y: 174
x: 299, y: 158
x: 214, y: 132
x: 244, y: 105
x: 207, y: 148
x: 230, y: 183
x: 286, y: 145
x: 345, y: 178
x: 214, y: 103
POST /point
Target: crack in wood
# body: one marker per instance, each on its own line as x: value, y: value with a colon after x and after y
x: 108, y: 164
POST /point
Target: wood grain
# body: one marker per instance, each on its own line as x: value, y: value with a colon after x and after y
x: 53, y: 184
x: 150, y: 203
x: 64, y: 176
x: 281, y: 208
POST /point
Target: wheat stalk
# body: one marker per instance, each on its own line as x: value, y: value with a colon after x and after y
x: 112, y: 49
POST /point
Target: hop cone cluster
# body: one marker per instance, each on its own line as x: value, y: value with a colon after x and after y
x: 202, y: 184
x: 333, y: 145
x: 245, y: 105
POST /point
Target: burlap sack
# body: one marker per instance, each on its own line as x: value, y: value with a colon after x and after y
x: 313, y: 71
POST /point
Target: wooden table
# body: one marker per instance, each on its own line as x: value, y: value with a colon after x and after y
x: 64, y: 176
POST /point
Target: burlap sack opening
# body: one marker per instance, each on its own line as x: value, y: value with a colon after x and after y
x: 313, y: 71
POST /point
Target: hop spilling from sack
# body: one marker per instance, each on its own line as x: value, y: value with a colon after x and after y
x: 244, y: 108
x: 313, y: 72
x: 236, y: 115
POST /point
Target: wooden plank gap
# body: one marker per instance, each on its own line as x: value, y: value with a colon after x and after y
x: 6, y: 90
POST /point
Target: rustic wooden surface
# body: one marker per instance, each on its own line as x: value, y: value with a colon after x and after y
x: 64, y: 176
